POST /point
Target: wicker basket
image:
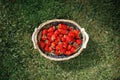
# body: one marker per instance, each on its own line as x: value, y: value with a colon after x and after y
x: 36, y: 38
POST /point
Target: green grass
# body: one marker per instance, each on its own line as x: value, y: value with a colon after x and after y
x: 20, y: 61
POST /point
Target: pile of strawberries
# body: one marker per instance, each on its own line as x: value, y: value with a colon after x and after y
x: 60, y: 39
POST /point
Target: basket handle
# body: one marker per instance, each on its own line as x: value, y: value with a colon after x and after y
x: 34, y: 39
x: 86, y: 38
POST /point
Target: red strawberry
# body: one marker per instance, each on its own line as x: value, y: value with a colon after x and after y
x: 60, y: 46
x: 64, y: 31
x: 71, y: 34
x: 73, y: 49
x: 68, y: 53
x: 57, y: 48
x: 50, y: 49
x: 53, y: 37
x: 53, y: 44
x: 70, y: 28
x: 51, y: 29
x: 79, y: 41
x: 63, y: 50
x: 47, y: 48
x: 44, y: 37
x: 76, y: 32
x: 60, y: 36
x: 57, y: 52
x: 56, y: 32
x: 47, y: 42
x: 69, y: 47
x: 50, y: 34
x: 44, y: 31
x: 42, y: 44
x: 65, y: 44
x: 60, y: 30
x: 62, y: 26
x: 63, y: 39
x: 68, y: 38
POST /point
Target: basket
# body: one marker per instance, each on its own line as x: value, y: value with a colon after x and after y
x: 36, y: 38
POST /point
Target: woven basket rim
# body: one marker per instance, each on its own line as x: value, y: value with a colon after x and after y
x: 58, y: 59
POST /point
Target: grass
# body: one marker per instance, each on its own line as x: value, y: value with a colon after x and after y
x: 20, y: 61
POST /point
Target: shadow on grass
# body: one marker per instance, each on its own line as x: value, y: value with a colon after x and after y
x: 88, y: 58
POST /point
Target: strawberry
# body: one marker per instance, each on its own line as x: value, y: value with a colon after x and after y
x: 47, y: 48
x: 50, y: 49
x: 49, y: 34
x: 60, y: 46
x: 62, y: 26
x: 53, y: 37
x: 70, y: 28
x: 60, y: 36
x: 68, y: 53
x: 79, y: 41
x: 57, y: 48
x: 60, y: 30
x: 71, y: 34
x: 65, y: 44
x: 73, y: 49
x: 56, y: 32
x: 76, y: 32
x: 63, y: 50
x: 44, y: 31
x: 51, y: 29
x: 47, y: 42
x: 63, y: 39
x: 64, y: 31
x: 42, y: 44
x: 57, y: 52
x: 69, y: 47
x: 44, y: 37
x: 53, y: 44
x: 68, y: 38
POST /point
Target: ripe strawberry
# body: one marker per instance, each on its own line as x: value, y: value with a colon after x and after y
x: 49, y: 38
x: 71, y: 34
x: 44, y: 31
x: 79, y: 41
x: 63, y: 39
x: 53, y: 37
x: 68, y: 53
x: 57, y: 48
x: 60, y: 30
x: 57, y: 41
x: 68, y: 38
x: 65, y: 44
x: 53, y: 44
x: 62, y: 26
x: 47, y: 48
x: 51, y: 29
x: 56, y: 32
x: 57, y: 52
x: 63, y: 50
x: 64, y: 31
x: 42, y: 44
x: 44, y: 37
x: 60, y: 36
x: 47, y: 42
x: 76, y: 32
x: 49, y: 34
x: 70, y: 28
x: 50, y: 49
x: 60, y: 46
x: 69, y: 47
x: 73, y: 49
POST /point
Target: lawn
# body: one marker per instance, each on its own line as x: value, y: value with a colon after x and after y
x: 20, y: 61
